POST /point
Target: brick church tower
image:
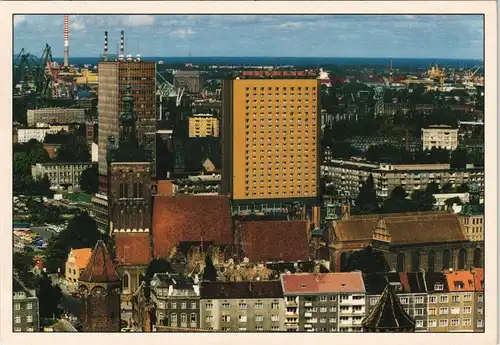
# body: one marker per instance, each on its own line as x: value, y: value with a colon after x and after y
x: 100, y: 291
x: 129, y: 176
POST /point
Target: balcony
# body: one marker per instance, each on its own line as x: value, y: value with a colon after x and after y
x: 291, y: 314
x: 308, y: 304
x: 308, y: 314
x: 291, y: 303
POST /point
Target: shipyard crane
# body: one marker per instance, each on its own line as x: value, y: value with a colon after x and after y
x: 167, y: 90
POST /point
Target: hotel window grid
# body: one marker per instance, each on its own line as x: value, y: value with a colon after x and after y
x: 467, y: 310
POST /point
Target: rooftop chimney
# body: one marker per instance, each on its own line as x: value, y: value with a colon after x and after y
x: 105, y: 46
x: 66, y: 40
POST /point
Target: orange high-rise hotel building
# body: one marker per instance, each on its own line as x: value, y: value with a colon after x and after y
x: 270, y: 138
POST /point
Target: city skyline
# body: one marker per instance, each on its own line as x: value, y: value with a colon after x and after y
x: 398, y: 36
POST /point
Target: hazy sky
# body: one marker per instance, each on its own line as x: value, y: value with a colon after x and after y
x: 446, y: 36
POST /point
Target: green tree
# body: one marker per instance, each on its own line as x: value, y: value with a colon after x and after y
x: 447, y: 188
x: 49, y: 297
x: 397, y: 202
x: 463, y: 188
x: 89, y: 180
x: 366, y: 202
x: 23, y: 264
x: 76, y: 150
x: 432, y: 188
x: 422, y: 201
x: 451, y: 201
x: 458, y: 159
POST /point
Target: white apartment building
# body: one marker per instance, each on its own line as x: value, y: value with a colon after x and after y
x: 444, y: 137
x: 61, y: 175
x: 55, y: 116
x: 39, y: 132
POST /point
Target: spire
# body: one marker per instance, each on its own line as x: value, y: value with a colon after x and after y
x: 388, y: 315
x: 128, y: 117
x: 100, y: 268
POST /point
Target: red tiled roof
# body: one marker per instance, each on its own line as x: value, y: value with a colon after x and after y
x: 100, y: 268
x: 265, y: 241
x: 479, y: 279
x: 460, y: 281
x: 184, y: 218
x: 133, y: 248
x: 405, y: 228
x: 82, y: 256
x: 310, y: 283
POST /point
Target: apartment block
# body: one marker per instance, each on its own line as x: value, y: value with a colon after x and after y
x: 348, y: 176
x: 444, y: 137
x: 203, y: 125
x: 242, y: 306
x: 113, y: 79
x: 25, y: 308
x: 324, y: 302
x: 61, y: 175
x: 55, y: 116
x: 270, y: 139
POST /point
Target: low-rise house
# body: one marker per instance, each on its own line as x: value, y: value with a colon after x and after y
x: 324, y: 302
x: 75, y: 264
x: 242, y: 306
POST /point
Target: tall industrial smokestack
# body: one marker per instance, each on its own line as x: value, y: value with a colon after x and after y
x: 66, y: 40
x: 122, y: 44
x: 105, y: 46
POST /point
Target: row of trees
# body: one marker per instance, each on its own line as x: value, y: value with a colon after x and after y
x: 367, y: 201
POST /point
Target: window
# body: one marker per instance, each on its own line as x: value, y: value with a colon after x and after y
x: 323, y: 309
x: 333, y: 309
x: 323, y: 298
x: 226, y: 305
x: 17, y: 306
x: 432, y: 323
x: 373, y: 300
x: 455, y: 310
x: 275, y: 318
x: 242, y: 318
x: 259, y: 305
x: 419, y: 300
x: 438, y: 287
x: 432, y: 299
x: 18, y: 329
x: 443, y: 299
x: 419, y: 324
x: 17, y: 319
x: 242, y: 329
x: 209, y: 318
x: 480, y: 298
x: 466, y: 322
x: 467, y: 310
x: 193, y: 317
x: 226, y: 318
x: 479, y: 323
x: 322, y: 319
x: 30, y: 329
x: 259, y: 318
x: 193, y: 305
x: 173, y: 305
x: 275, y: 329
x: 419, y: 311
x: 403, y: 300
x: 243, y: 306
x: 468, y: 298
x: 275, y: 305
x: 443, y: 311
x: 432, y: 311
x: 184, y: 318
x: 455, y: 298
x: 173, y: 318
x: 443, y: 323
x: 455, y: 322
x: 183, y: 305
x: 29, y: 318
x: 209, y: 306
x: 259, y: 328
x: 332, y: 298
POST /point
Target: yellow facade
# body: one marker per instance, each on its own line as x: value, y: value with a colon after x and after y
x: 203, y: 126
x: 86, y: 77
x: 275, y: 137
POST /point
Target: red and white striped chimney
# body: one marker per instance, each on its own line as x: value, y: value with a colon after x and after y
x: 66, y: 40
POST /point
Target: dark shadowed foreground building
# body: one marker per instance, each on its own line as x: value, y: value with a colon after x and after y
x: 388, y: 315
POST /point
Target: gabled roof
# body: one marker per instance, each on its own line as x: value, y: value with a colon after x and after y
x: 404, y: 228
x: 100, y: 268
x: 460, y: 281
x: 315, y: 283
x: 241, y: 290
x: 190, y: 218
x: 388, y: 314
x: 265, y: 241
x: 133, y: 248
x: 82, y: 256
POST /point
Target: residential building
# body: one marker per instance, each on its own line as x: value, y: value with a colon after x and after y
x: 271, y: 133
x: 113, y: 80
x: 99, y: 211
x: 410, y: 291
x: 177, y: 300
x: 479, y: 299
x: 99, y: 287
x: 75, y: 264
x: 242, y: 306
x: 388, y: 316
x: 444, y: 137
x: 191, y: 81
x: 442, y: 204
x: 61, y: 175
x: 472, y: 218
x: 324, y: 302
x: 203, y: 125
x: 438, y: 309
x: 348, y: 176
x: 26, y: 317
x: 55, y: 116
x: 26, y: 134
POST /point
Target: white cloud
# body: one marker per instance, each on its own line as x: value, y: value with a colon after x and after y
x: 77, y: 25
x: 19, y: 19
x: 138, y: 20
x: 181, y: 33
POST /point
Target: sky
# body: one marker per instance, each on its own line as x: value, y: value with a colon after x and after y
x: 396, y: 36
